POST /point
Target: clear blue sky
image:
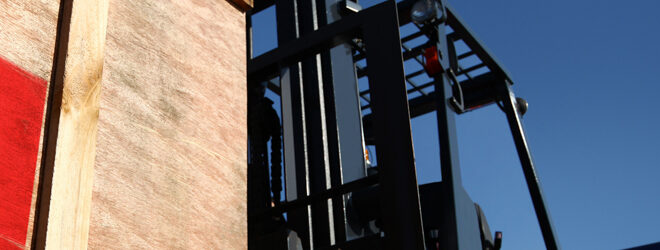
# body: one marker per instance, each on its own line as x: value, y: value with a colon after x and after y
x: 590, y: 71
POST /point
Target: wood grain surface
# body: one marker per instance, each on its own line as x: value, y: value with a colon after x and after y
x: 27, y: 34
x: 172, y: 135
x: 27, y: 40
x: 73, y: 167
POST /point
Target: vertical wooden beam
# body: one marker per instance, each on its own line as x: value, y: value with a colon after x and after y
x: 69, y: 151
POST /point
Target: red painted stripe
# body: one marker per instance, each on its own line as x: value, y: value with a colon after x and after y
x: 22, y: 97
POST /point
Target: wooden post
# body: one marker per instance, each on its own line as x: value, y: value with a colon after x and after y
x: 66, y: 194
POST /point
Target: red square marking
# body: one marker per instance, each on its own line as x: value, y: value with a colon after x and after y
x: 22, y: 97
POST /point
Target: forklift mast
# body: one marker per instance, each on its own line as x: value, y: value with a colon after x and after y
x: 334, y: 199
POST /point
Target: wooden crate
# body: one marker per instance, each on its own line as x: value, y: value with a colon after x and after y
x: 133, y: 118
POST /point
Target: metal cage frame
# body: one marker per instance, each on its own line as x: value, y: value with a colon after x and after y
x: 302, y: 61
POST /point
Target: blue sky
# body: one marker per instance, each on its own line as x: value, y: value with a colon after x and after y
x: 590, y: 72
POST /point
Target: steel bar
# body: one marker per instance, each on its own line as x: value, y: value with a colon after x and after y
x: 420, y: 87
x: 362, y: 54
x: 315, y: 129
x: 400, y: 211
x: 416, y: 73
x: 359, y: 57
x: 273, y: 87
x: 471, y: 68
x: 533, y: 182
x: 414, y: 86
x: 366, y: 98
x: 411, y: 53
x: 418, y: 51
x: 266, y: 65
x: 293, y: 123
x: 456, y: 24
x: 362, y: 72
x: 322, y: 196
x: 424, y: 104
x: 465, y: 55
x: 459, y: 219
x: 466, y: 72
x: 342, y: 31
x: 412, y: 36
x: 364, y: 92
x: 344, y: 127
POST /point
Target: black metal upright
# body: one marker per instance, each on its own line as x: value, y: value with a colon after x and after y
x: 460, y: 220
x: 293, y: 123
x: 399, y: 197
x: 343, y: 146
x: 315, y: 129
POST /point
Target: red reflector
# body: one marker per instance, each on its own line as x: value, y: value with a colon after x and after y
x: 432, y: 64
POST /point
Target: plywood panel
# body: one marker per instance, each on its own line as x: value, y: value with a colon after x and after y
x: 27, y: 34
x: 171, y: 151
x: 27, y: 40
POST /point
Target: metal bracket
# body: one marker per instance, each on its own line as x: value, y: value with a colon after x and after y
x: 456, y: 103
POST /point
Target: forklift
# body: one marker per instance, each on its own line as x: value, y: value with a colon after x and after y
x: 334, y: 197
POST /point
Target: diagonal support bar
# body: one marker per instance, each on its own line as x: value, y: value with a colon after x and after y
x: 533, y: 183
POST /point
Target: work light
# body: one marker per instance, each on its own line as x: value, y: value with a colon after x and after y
x: 423, y: 11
